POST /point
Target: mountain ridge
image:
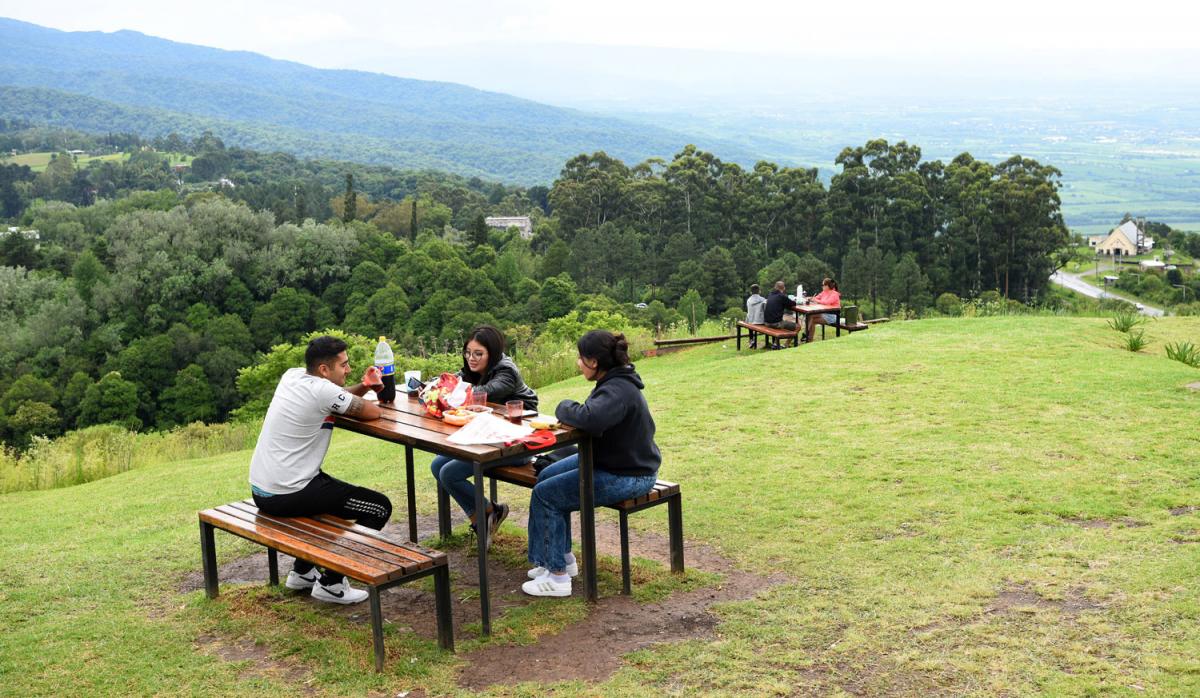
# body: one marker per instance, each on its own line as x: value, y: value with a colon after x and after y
x: 454, y: 127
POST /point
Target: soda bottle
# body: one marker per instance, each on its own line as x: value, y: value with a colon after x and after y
x: 386, y: 362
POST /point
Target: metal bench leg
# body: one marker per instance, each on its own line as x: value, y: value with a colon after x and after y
x: 272, y: 567
x: 626, y: 584
x: 376, y: 627
x: 675, y: 524
x: 445, y: 618
x: 739, y: 337
x: 208, y: 557
x: 494, y: 495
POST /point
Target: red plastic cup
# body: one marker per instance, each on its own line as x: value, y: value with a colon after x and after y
x: 514, y: 408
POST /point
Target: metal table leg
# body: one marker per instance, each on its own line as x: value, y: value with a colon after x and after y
x: 481, y: 522
x: 587, y: 519
x: 412, y: 494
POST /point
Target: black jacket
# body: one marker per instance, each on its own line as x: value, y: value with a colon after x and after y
x: 776, y: 303
x: 503, y: 383
x: 617, y: 416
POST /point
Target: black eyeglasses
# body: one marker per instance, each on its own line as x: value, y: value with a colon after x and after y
x: 477, y: 355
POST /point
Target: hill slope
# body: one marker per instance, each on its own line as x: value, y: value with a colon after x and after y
x: 343, y: 114
x: 995, y: 506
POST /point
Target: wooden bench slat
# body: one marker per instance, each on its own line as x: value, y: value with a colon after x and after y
x: 367, y: 536
x: 294, y: 546
x: 281, y: 528
x: 385, y: 552
x: 777, y: 332
x: 524, y: 476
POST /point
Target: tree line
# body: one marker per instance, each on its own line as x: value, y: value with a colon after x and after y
x: 144, y: 301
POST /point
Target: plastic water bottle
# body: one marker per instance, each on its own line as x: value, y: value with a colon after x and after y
x: 799, y: 293
x: 386, y: 361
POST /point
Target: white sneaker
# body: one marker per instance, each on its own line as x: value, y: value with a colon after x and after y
x: 546, y: 586
x: 299, y: 581
x: 341, y: 592
x: 572, y: 570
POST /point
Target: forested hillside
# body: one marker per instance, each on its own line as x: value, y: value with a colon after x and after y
x: 126, y: 81
x: 136, y: 291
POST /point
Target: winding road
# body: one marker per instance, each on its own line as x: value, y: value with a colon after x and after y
x: 1073, y: 282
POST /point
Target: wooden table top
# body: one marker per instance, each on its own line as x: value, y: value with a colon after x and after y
x: 404, y: 421
x: 815, y: 308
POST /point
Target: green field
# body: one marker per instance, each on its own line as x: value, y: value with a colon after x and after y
x: 38, y: 161
x: 995, y: 506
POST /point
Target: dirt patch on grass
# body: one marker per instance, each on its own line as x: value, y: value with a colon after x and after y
x: 1192, y: 536
x: 260, y: 663
x: 1193, y: 386
x: 1122, y: 522
x: 1184, y: 510
x: 590, y: 650
x: 1023, y: 599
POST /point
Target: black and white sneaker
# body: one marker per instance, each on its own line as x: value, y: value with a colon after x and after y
x: 341, y: 592
x: 498, y: 515
x: 299, y: 582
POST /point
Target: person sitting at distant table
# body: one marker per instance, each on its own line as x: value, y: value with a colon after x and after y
x: 828, y: 296
x: 777, y: 303
x: 755, y: 307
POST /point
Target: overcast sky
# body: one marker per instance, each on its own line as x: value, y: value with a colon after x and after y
x: 421, y: 39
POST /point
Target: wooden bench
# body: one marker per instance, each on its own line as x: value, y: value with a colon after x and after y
x: 773, y: 332
x: 360, y: 553
x: 663, y: 492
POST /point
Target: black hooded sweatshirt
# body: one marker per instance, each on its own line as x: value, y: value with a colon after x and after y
x: 618, y: 418
x: 503, y: 383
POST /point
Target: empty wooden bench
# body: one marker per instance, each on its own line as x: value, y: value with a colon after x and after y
x: 663, y: 492
x: 360, y: 553
x: 774, y: 332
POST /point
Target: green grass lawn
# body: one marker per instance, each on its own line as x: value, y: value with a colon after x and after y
x: 962, y: 506
x: 38, y: 161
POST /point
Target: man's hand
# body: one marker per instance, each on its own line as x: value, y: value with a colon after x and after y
x: 361, y: 409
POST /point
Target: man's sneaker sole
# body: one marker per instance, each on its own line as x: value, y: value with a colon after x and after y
x: 347, y: 596
x: 297, y: 582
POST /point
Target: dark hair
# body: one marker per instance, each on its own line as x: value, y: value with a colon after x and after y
x: 608, y: 350
x: 322, y: 350
x: 829, y: 282
x: 754, y: 288
x: 492, y: 339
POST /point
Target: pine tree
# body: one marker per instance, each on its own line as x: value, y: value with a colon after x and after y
x: 351, y: 200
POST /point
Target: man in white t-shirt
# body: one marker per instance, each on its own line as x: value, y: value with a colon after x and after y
x: 285, y: 471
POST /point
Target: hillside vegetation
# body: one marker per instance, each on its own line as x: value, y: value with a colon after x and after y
x: 991, y: 506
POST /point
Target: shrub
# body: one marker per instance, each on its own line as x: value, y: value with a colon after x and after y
x: 1125, y: 320
x: 949, y: 304
x: 1184, y: 352
x: 1136, y: 341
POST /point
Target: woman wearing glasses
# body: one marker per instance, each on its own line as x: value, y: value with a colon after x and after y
x: 484, y: 365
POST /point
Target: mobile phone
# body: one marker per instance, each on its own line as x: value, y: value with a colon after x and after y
x: 413, y: 383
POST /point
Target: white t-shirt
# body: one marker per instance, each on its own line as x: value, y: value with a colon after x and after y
x: 295, y: 433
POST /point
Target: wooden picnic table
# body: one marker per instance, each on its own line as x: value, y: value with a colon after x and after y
x: 405, y: 422
x: 807, y: 309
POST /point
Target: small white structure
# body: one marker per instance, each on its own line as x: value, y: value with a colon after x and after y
x: 224, y: 182
x: 1125, y: 240
x: 521, y: 223
x: 1152, y: 264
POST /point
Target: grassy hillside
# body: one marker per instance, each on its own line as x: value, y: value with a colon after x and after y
x: 993, y: 506
x: 101, y: 82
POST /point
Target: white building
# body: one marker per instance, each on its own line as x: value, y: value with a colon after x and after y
x: 522, y: 223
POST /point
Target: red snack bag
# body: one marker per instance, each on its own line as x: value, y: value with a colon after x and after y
x: 433, y: 395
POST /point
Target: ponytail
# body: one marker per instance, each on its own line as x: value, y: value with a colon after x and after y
x: 608, y: 350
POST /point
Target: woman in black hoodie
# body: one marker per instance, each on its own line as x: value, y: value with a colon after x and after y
x: 486, y: 365
x: 626, y: 459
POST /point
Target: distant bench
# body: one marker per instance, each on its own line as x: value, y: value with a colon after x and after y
x: 663, y: 492
x: 775, y: 333
x: 360, y: 553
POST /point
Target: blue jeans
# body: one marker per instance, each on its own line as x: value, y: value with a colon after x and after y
x: 556, y: 495
x: 458, y: 478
